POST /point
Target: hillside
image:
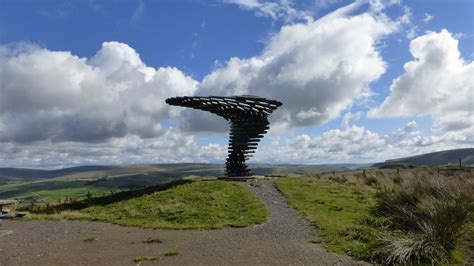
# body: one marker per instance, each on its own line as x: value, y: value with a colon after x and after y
x: 99, y: 172
x: 8, y: 175
x: 24, y: 174
x: 434, y: 158
x: 182, y: 204
x: 54, y: 185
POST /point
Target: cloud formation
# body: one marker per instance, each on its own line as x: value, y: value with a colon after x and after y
x: 170, y: 147
x: 320, y: 68
x: 357, y: 144
x: 51, y: 95
x: 438, y: 83
x: 380, y: 5
x: 275, y: 10
x: 57, y: 109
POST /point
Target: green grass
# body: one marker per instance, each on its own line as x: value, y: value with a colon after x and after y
x: 336, y: 210
x: 201, y: 204
x: 464, y: 251
x: 427, y: 221
x: 433, y: 217
x: 172, y: 253
x: 50, y: 191
x: 144, y: 259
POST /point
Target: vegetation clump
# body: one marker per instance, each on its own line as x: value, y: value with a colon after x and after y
x: 172, y: 253
x: 430, y: 217
x: 144, y: 258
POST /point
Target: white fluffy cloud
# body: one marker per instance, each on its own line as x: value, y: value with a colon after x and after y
x: 170, y: 147
x: 438, y: 83
x: 356, y: 144
x: 350, y: 117
x: 50, y: 95
x: 318, y: 68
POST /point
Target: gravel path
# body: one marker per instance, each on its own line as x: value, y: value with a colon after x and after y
x: 283, y: 240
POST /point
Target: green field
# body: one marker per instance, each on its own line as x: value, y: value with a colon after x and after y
x: 50, y: 191
x: 56, y: 190
x: 200, y: 204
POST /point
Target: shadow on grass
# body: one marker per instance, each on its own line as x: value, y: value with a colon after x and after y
x: 120, y: 196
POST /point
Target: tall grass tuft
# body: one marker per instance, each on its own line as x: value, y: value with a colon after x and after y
x: 429, y: 214
x: 414, y: 249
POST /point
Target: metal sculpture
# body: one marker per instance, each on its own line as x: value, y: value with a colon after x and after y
x: 247, y: 116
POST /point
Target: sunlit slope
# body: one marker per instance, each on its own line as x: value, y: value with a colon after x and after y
x: 176, y: 205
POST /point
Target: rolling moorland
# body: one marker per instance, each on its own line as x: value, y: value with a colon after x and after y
x: 417, y: 209
x: 53, y: 185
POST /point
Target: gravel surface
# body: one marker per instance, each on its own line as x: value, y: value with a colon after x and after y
x: 283, y: 240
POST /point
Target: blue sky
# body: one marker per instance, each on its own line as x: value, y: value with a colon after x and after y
x: 83, y: 82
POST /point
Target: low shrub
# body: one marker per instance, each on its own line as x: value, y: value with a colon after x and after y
x: 429, y: 215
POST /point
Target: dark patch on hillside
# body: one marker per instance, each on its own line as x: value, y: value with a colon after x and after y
x: 109, y: 199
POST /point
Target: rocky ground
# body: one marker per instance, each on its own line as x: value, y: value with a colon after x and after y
x: 283, y: 240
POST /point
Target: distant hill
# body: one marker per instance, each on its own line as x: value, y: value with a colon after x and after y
x: 33, y: 184
x: 24, y: 174
x: 93, y: 172
x: 434, y: 158
x: 180, y: 170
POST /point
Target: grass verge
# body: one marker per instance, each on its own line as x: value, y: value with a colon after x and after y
x: 336, y: 210
x: 201, y: 204
x: 424, y: 221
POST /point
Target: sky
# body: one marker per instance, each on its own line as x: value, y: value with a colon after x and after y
x: 85, y: 82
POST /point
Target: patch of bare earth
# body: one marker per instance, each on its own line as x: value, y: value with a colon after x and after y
x: 283, y: 240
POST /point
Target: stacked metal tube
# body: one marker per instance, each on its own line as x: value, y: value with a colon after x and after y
x: 247, y: 116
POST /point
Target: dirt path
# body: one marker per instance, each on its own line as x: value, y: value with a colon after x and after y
x: 283, y: 240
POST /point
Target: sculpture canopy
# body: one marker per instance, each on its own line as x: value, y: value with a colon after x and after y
x: 248, y: 119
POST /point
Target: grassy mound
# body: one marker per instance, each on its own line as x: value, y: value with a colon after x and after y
x: 202, y: 204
